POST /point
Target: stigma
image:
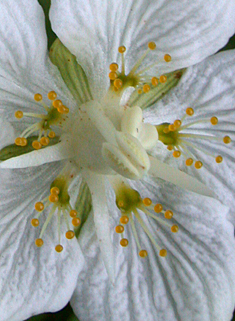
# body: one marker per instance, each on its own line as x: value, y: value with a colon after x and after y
x: 55, y: 116
x: 58, y: 203
x: 132, y: 207
x: 182, y: 143
x: 136, y: 78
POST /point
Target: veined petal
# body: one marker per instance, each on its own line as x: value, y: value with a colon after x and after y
x: 188, y: 31
x: 7, y: 133
x: 49, y: 154
x: 209, y: 88
x: 29, y: 274
x: 173, y: 175
x: 101, y: 219
x: 195, y: 282
x: 25, y: 68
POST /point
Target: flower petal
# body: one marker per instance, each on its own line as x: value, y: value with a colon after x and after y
x: 195, y: 282
x: 188, y: 31
x: 209, y: 88
x: 32, y: 280
x: 25, y: 68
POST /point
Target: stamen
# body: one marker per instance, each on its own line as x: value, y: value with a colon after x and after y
x: 124, y: 242
x: 39, y: 242
x: 53, y: 117
x: 176, y: 140
x: 59, y: 248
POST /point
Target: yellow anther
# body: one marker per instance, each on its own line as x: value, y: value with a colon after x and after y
x: 227, y: 139
x: 63, y: 109
x: 53, y: 198
x: 120, y: 204
x: 143, y: 253
x: 18, y: 141
x: 198, y: 164
x: 219, y: 159
x: 39, y: 206
x: 147, y: 201
x: 154, y: 81
x: 167, y: 58
x: 37, y: 97
x: 76, y: 221
x: 69, y: 235
x: 39, y: 242
x: 24, y: 141
x: 124, y: 242
x: 151, y: 45
x: 124, y: 220
x: 52, y: 95
x: 113, y: 67
x: 170, y: 147
x: 163, y: 252
x: 44, y: 141
x: 168, y: 214
x: 36, y: 144
x: 73, y: 213
x: 117, y: 83
x: 174, y: 228
x: 35, y: 222
x: 55, y: 190
x: 121, y: 49
x: 19, y: 114
x: 146, y: 88
x: 113, y: 75
x: 189, y: 162
x: 176, y: 153
x: 189, y: 111
x: 177, y: 123
x: 214, y: 120
x: 171, y: 127
x: 59, y: 248
x: 163, y: 79
x: 57, y: 103
x: 51, y: 134
x: 158, y: 208
x: 119, y: 229
x: 140, y: 91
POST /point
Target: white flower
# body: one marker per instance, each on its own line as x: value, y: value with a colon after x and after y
x: 103, y: 139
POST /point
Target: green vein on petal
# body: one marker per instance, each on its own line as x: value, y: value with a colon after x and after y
x: 83, y: 205
x: 71, y: 72
x: 145, y: 100
x: 13, y: 150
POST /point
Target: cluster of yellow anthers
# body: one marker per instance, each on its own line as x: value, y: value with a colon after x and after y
x: 59, y: 206
x: 127, y: 217
x: 137, y: 79
x: 54, y: 117
x: 178, y: 139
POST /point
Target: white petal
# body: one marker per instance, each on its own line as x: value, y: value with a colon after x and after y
x: 48, y: 154
x: 32, y: 280
x: 195, y: 282
x: 7, y: 133
x: 189, y: 31
x: 101, y: 220
x: 25, y: 68
x: 132, y: 121
x: 209, y: 88
x: 173, y: 175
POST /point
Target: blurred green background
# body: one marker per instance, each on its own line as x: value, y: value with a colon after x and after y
x: 67, y: 314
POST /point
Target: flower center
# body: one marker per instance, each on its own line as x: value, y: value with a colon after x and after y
x: 56, y: 115
x: 119, y: 80
x: 101, y: 147
x: 132, y: 208
x: 182, y: 142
